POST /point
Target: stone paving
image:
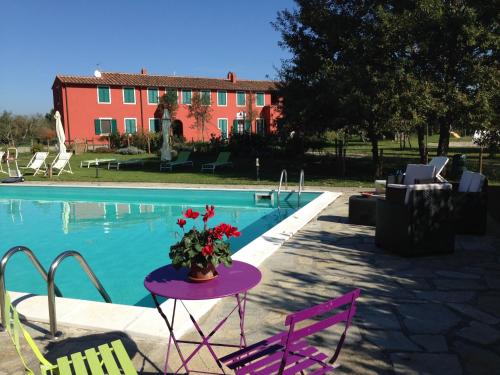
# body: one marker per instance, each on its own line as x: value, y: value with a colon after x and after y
x: 428, y: 315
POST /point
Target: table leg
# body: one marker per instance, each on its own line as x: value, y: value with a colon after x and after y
x: 241, y: 313
x: 171, y: 338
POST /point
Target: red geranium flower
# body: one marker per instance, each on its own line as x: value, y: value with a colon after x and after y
x: 232, y: 232
x: 209, y: 213
x: 190, y: 214
x: 181, y: 223
x: 207, y: 250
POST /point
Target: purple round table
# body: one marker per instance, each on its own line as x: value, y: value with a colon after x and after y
x: 171, y: 283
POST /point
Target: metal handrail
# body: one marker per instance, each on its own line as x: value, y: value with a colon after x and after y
x: 284, y: 174
x: 3, y: 265
x: 301, y: 186
x: 51, y: 285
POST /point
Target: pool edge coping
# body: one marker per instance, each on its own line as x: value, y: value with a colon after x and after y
x: 145, y: 321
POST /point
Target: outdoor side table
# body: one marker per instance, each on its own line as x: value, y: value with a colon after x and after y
x: 362, y: 210
x: 171, y: 283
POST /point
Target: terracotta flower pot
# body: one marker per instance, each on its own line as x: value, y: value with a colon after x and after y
x: 202, y: 274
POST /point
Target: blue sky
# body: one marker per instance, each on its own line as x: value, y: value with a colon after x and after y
x: 40, y: 39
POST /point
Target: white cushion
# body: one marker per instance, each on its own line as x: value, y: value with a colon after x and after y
x: 471, y: 182
x: 439, y: 162
x: 418, y: 172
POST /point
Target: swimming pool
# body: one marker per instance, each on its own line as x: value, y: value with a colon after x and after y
x: 123, y: 233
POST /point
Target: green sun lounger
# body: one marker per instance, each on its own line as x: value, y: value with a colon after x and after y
x: 222, y: 161
x: 109, y: 358
x: 182, y: 160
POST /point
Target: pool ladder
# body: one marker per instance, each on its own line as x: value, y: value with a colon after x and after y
x: 49, y: 278
x: 284, y: 178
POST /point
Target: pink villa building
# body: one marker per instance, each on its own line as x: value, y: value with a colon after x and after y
x: 93, y: 106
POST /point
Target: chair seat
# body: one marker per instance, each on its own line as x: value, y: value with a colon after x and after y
x: 265, y: 357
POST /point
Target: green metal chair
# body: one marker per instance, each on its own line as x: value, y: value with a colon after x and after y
x: 98, y: 361
x: 222, y: 161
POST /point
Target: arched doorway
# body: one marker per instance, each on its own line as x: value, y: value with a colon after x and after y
x: 177, y: 128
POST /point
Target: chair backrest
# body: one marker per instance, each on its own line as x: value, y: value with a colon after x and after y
x: 346, y: 309
x: 38, y: 159
x: 15, y: 330
x: 183, y: 156
x: 61, y: 160
x: 471, y: 182
x: 418, y: 172
x: 223, y: 157
x: 439, y: 162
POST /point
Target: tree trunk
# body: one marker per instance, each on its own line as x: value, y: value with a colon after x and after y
x: 375, y: 155
x: 421, y: 144
x: 444, y: 138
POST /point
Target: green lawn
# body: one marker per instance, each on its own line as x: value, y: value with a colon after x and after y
x: 321, y: 169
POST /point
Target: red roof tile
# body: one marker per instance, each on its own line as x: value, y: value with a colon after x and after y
x: 145, y: 80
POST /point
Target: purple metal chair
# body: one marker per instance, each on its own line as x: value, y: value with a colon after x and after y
x: 289, y: 352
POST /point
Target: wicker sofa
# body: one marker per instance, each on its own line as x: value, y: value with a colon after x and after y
x: 416, y: 219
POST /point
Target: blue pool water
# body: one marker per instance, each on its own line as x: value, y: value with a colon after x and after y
x: 122, y: 233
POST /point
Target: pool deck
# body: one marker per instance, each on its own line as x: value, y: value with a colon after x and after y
x: 432, y: 315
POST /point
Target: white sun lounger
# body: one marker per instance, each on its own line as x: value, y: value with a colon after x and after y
x: 94, y: 162
x: 61, y: 163
x: 37, y: 162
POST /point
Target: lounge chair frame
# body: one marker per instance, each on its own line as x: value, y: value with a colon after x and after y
x: 37, y: 162
x: 221, y: 161
x: 182, y: 160
x: 61, y: 163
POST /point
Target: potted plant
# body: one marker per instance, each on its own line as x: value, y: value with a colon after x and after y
x: 201, y: 251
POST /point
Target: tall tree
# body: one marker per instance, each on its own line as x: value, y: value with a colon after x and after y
x: 344, y: 70
x: 201, y: 111
x: 170, y: 101
x: 453, y: 45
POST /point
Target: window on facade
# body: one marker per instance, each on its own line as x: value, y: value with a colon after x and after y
x: 130, y: 125
x: 103, y: 94
x: 259, y: 99
x: 205, y: 97
x: 260, y: 126
x: 186, y: 96
x: 105, y: 126
x: 128, y: 95
x: 172, y: 93
x: 240, y: 127
x: 152, y: 96
x: 222, y: 98
x: 154, y: 125
x: 222, y: 125
x: 240, y: 98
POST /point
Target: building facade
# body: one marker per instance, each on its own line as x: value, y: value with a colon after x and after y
x: 95, y: 106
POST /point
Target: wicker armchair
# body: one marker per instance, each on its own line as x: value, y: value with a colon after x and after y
x: 416, y: 219
x: 470, y: 202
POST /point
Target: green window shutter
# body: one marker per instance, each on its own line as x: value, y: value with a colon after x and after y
x: 104, y: 94
x: 152, y: 96
x: 134, y: 127
x: 240, y: 98
x: 97, y: 126
x: 186, y: 97
x: 128, y: 95
x: 248, y: 126
x: 260, y: 99
x: 205, y: 97
x: 235, y: 126
x: 114, y: 128
x: 151, y: 125
x: 222, y: 98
